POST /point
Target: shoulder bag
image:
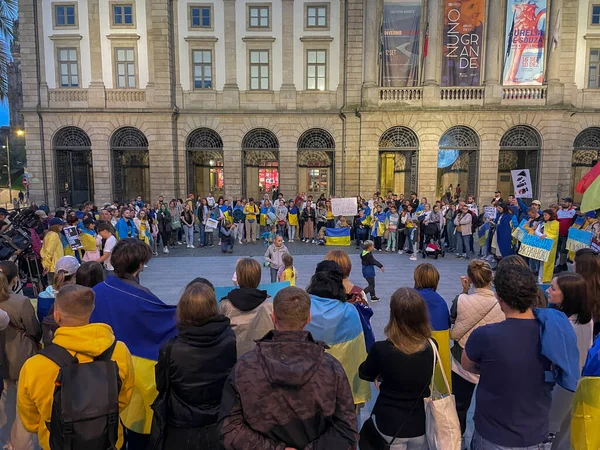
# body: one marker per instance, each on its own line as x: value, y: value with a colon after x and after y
x: 442, y: 427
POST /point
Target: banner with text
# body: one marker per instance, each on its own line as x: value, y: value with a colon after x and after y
x: 525, y: 42
x: 521, y: 179
x: 462, y: 42
x: 534, y: 247
x: 343, y: 206
x: 400, y: 36
x: 578, y: 239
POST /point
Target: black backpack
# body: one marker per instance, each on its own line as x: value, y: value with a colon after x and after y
x: 85, y: 409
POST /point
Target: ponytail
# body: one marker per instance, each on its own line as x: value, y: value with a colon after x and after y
x: 62, y: 278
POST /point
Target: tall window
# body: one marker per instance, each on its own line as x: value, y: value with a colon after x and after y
x: 67, y: 67
x: 594, y: 71
x: 200, y: 17
x: 125, y: 63
x: 316, y: 70
x: 259, y: 69
x: 202, y: 61
x: 596, y: 15
x: 316, y: 16
x: 64, y: 16
x: 123, y: 14
x: 259, y: 16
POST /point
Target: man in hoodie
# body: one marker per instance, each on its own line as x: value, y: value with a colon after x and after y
x: 125, y: 226
x: 72, y: 310
x: 287, y: 392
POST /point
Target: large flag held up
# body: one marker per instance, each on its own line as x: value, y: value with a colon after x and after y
x: 589, y: 185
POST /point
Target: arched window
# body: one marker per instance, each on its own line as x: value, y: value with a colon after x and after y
x: 316, y: 149
x: 586, y: 154
x: 458, y: 163
x: 520, y: 148
x: 205, y: 162
x: 260, y: 149
x: 74, y: 172
x: 398, y: 161
x: 131, y: 165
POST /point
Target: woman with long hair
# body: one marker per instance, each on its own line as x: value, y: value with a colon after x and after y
x: 89, y: 274
x: 192, y: 369
x: 502, y: 240
x: 548, y: 229
x: 163, y: 217
x: 402, y: 368
x: 187, y: 220
x: 141, y: 222
x: 308, y: 217
x: 587, y: 264
x: 568, y: 293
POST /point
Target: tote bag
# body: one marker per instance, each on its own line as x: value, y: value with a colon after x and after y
x: 442, y: 427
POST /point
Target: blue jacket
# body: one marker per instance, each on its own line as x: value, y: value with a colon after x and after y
x: 122, y: 229
x: 592, y: 364
x: 559, y: 345
x: 504, y: 236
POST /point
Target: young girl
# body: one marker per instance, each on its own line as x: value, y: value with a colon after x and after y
x: 287, y: 272
x: 88, y: 238
x: 292, y: 221
x: 270, y: 237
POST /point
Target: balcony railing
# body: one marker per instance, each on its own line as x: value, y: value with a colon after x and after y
x: 524, y: 93
x: 401, y: 95
x: 125, y: 96
x: 461, y: 93
x: 68, y: 95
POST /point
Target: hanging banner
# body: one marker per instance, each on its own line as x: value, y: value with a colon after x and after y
x: 344, y: 206
x: 525, y: 42
x: 400, y: 35
x: 462, y: 42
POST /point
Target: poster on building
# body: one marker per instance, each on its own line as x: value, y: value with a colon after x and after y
x: 400, y: 36
x: 525, y: 42
x: 462, y: 42
x: 521, y: 179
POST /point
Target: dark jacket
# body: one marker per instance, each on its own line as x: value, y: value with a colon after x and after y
x: 201, y: 359
x: 368, y: 264
x: 288, y: 393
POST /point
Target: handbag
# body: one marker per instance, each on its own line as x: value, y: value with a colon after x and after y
x: 175, y: 223
x: 442, y: 427
x: 160, y: 407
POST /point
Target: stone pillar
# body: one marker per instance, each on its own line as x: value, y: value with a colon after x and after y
x: 555, y: 88
x: 231, y: 92
x: 96, y: 93
x: 489, y: 153
x: 232, y: 166
x: 288, y: 90
x: 432, y: 61
x: 494, y: 34
x: 373, y: 13
x: 288, y: 168
x: 102, y: 165
x: 427, y: 171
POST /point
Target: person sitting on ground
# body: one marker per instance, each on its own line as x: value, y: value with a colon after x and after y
x: 85, y: 341
x: 247, y: 307
x: 514, y: 393
x: 288, y: 392
x: 192, y: 369
x: 89, y: 274
x: 143, y: 322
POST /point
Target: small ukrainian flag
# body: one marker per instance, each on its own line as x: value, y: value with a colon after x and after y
x: 337, y: 236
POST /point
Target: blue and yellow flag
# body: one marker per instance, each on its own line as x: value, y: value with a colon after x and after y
x: 337, y: 236
x: 338, y: 325
x: 143, y: 322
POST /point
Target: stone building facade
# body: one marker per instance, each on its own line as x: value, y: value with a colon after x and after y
x: 159, y: 97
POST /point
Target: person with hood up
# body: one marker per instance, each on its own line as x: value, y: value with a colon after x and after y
x: 247, y: 307
x: 288, y: 392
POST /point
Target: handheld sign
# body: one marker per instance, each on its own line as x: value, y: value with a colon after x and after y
x: 490, y: 212
x: 578, y: 239
x: 343, y: 206
x: 522, y: 183
x: 212, y: 223
x: 534, y: 247
x: 72, y: 235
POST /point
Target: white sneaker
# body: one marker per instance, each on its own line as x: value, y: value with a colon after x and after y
x: 165, y: 249
x: 179, y: 243
x: 192, y: 246
x: 400, y: 252
x: 413, y: 257
x: 291, y: 240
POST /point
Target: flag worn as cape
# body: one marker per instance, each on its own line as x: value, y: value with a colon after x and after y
x: 143, y: 322
x: 338, y: 325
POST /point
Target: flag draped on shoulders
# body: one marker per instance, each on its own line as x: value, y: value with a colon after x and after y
x: 338, y: 325
x: 143, y: 322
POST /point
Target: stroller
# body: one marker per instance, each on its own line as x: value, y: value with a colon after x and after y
x: 432, y: 244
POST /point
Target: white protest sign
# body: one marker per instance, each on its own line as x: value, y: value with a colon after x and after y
x: 490, y: 212
x: 212, y: 223
x: 343, y: 206
x: 522, y: 183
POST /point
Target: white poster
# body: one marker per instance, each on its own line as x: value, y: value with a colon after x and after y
x: 212, y: 223
x: 343, y: 206
x: 522, y: 183
x: 490, y: 212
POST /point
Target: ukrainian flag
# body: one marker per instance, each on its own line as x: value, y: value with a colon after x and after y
x: 337, y: 236
x: 585, y: 422
x: 143, y: 322
x: 338, y: 325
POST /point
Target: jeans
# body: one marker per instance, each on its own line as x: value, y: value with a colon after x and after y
x: 281, y: 230
x: 479, y: 443
x: 180, y: 233
x: 189, y: 235
x: 410, y: 237
x: 450, y: 236
x: 210, y: 240
x: 392, y: 240
x: 414, y: 443
x: 291, y: 231
x: 273, y: 275
x: 201, y: 237
x: 463, y: 393
x: 370, y: 289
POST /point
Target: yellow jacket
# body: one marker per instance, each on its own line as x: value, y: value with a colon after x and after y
x: 36, y: 381
x: 52, y: 250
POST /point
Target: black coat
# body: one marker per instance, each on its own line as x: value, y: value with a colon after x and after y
x: 201, y: 359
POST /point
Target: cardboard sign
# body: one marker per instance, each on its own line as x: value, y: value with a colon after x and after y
x: 534, y: 247
x: 343, y: 206
x: 522, y: 183
x: 72, y: 235
x: 212, y: 223
x: 519, y: 232
x: 578, y: 239
x: 490, y: 212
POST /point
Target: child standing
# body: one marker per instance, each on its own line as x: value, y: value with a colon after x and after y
x: 360, y: 230
x: 274, y: 256
x: 392, y: 226
x: 368, y: 268
x: 271, y: 235
x: 287, y: 272
x: 107, y: 243
x: 227, y: 237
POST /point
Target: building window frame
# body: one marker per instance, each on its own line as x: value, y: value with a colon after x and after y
x: 259, y: 65
x: 200, y: 27
x: 316, y: 65
x: 259, y: 6
x: 593, y: 47
x: 316, y: 7
x: 594, y: 12
x: 122, y: 4
x: 193, y: 65
x: 69, y: 63
x: 116, y: 62
x: 56, y: 25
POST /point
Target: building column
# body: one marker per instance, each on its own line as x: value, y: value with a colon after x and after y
x: 489, y: 153
x: 555, y: 88
x: 102, y: 165
x: 231, y: 92
x: 232, y: 166
x: 373, y: 13
x: 427, y: 168
x: 492, y: 69
x: 288, y: 89
x: 288, y: 168
x: 432, y: 61
x: 96, y: 93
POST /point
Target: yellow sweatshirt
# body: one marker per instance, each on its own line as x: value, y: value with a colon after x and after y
x: 52, y: 251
